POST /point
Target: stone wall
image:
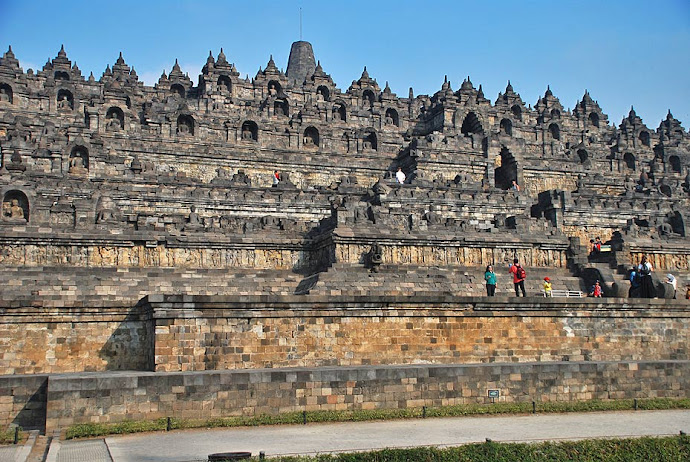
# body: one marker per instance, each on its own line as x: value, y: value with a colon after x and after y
x: 202, y: 333
x: 37, y: 340
x: 114, y: 397
x: 23, y: 401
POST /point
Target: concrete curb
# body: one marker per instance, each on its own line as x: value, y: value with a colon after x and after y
x: 55, y: 445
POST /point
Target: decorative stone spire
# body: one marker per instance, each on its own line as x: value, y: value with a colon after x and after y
x: 92, y: 79
x: 548, y: 91
x: 387, y: 89
x: 62, y: 53
x: 301, y: 63
x: 221, y: 58
x: 365, y: 74
x: 210, y: 60
x: 9, y: 54
x: 120, y: 59
x: 271, y: 66
x: 480, y: 92
x: 509, y: 88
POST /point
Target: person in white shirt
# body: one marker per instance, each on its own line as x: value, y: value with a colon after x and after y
x: 671, y: 279
x: 400, y: 176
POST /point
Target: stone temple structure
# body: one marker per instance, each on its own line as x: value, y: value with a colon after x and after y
x: 142, y: 231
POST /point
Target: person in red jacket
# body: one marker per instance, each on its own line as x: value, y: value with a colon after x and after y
x: 519, y: 276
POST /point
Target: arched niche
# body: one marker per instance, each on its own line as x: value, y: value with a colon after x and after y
x: 369, y: 141
x: 6, y: 93
x: 15, y: 206
x: 323, y: 93
x: 345, y: 142
x: 555, y: 131
x: 274, y: 88
x: 629, y: 161
x: 674, y: 162
x: 507, y: 172
x: 311, y: 138
x: 644, y: 138
x: 517, y: 111
x: 506, y: 127
x: 594, y: 119
x: 177, y: 89
x: 368, y: 97
x: 61, y: 75
x: 185, y: 125
x: 250, y: 131
x: 471, y: 125
x: 65, y: 99
x: 115, y: 119
x: 583, y: 155
x: 78, y: 159
x: 555, y: 114
x: 392, y: 117
x: 339, y: 112
x: 224, y: 84
x: 281, y: 108
x: 677, y: 223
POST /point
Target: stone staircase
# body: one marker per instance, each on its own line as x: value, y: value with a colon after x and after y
x: 83, y: 286
x: 346, y: 279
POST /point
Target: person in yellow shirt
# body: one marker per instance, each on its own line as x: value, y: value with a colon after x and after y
x: 547, y: 286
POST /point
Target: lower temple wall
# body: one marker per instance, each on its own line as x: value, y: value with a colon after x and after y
x: 114, y: 397
x: 35, y: 340
x: 23, y: 400
x: 206, y: 333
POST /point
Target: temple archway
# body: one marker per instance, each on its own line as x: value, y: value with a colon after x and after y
x: 185, y: 125
x: 583, y: 155
x: 517, y: 111
x: 65, y: 99
x: 674, y: 161
x: 250, y: 131
x: 392, y: 117
x: 115, y: 118
x: 6, y: 93
x: 15, y: 206
x: 471, y: 125
x: 178, y: 90
x: 555, y: 132
x: 555, y: 114
x: 594, y: 119
x: 507, y: 172
x: 61, y: 75
x: 369, y: 141
x: 79, y: 158
x: 345, y: 141
x: 629, y: 160
x: 506, y: 127
x: 274, y: 88
x: 323, y: 93
x: 311, y: 138
x: 281, y: 108
x: 339, y: 112
x: 644, y: 138
x: 224, y: 84
x: 368, y: 97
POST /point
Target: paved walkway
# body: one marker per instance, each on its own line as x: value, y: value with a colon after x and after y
x: 195, y: 445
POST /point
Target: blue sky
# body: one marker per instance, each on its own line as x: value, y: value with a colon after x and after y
x: 624, y: 52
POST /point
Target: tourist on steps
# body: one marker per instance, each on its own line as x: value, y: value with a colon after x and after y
x: 490, y: 278
x: 547, y: 286
x: 519, y: 276
x: 645, y: 269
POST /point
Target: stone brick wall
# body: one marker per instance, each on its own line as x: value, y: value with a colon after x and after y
x: 55, y: 340
x: 23, y: 401
x: 203, y: 333
x: 113, y: 397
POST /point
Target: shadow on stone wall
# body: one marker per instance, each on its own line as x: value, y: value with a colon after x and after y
x: 130, y: 347
x: 34, y: 394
